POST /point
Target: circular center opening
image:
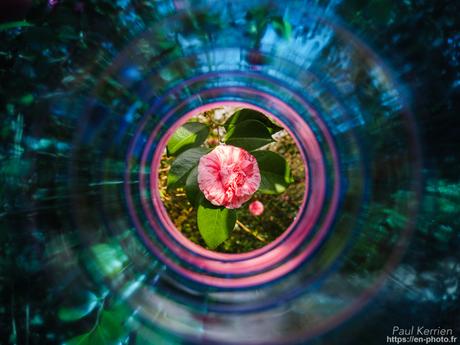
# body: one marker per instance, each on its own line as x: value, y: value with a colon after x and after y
x: 231, y: 178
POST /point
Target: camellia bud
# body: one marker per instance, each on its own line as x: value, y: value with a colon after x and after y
x: 256, y: 208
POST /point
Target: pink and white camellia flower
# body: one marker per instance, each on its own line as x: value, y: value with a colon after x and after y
x: 228, y: 176
x: 256, y: 208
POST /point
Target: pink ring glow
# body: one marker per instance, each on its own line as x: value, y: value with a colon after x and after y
x: 263, y: 258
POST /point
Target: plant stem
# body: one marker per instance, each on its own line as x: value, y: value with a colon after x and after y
x: 98, y: 316
x: 245, y: 228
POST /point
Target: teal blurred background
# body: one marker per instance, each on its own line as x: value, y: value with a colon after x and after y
x: 53, y: 55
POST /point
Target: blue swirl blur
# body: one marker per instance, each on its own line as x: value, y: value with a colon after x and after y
x: 265, y: 54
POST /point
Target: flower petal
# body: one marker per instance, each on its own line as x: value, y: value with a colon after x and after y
x: 228, y: 176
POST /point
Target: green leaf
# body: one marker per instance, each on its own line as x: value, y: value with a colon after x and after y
x: 110, y: 258
x: 189, y: 135
x: 27, y: 99
x: 110, y: 328
x: 67, y: 32
x: 249, y: 135
x: 215, y: 223
x: 84, y: 339
x: 191, y: 187
x: 121, y: 311
x: 183, y: 164
x: 84, y: 303
x: 282, y: 27
x: 96, y: 337
x: 249, y: 114
x: 274, y: 171
x: 14, y: 25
